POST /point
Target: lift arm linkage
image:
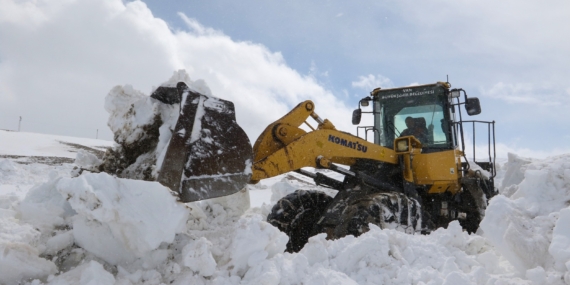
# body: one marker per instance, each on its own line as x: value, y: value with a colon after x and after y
x: 284, y: 147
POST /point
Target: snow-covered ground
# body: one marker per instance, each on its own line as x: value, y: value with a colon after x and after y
x: 98, y: 229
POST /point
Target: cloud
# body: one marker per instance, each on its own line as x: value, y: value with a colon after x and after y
x: 528, y: 93
x: 370, y: 82
x: 59, y: 59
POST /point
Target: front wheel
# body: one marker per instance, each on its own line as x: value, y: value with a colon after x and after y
x: 296, y: 215
x: 386, y: 210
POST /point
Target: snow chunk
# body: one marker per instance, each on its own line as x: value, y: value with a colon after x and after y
x: 560, y: 246
x: 181, y: 75
x: 19, y: 259
x: 324, y: 276
x: 198, y: 257
x: 520, y: 238
x: 514, y: 173
x: 129, y: 110
x: 7, y: 165
x: 91, y: 273
x: 58, y: 242
x: 87, y: 160
x: 44, y: 207
x: 120, y: 220
x: 254, y: 241
x: 281, y: 189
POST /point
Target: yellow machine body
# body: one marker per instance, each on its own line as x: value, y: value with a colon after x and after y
x: 284, y: 147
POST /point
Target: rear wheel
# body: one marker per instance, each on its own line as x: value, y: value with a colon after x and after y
x: 473, y: 203
x: 297, y: 214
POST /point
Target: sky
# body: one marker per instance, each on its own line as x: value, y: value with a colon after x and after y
x: 60, y: 58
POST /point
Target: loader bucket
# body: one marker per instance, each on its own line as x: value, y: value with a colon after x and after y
x: 209, y: 155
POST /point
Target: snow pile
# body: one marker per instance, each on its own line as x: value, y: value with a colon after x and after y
x: 116, y: 221
x: 131, y: 217
x: 99, y: 229
x: 19, y: 258
x: 531, y: 228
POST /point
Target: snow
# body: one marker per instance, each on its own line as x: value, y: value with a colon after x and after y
x: 100, y: 229
x: 528, y: 228
x: 31, y: 144
x: 132, y: 217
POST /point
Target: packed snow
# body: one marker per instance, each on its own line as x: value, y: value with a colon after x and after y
x: 59, y: 228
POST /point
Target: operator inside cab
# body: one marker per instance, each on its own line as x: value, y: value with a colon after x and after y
x: 416, y: 127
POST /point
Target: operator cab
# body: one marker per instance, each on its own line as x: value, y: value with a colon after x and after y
x: 428, y: 112
x: 426, y: 107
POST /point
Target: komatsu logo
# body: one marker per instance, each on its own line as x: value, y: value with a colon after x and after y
x: 354, y: 145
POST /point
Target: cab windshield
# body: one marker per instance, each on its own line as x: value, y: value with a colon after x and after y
x: 421, y: 113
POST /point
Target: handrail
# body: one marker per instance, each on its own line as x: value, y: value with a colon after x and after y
x: 490, y: 141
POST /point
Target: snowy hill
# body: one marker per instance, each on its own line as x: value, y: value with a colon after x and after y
x: 31, y: 147
x: 98, y: 229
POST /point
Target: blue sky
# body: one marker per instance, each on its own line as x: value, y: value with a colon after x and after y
x: 509, y: 47
x: 513, y: 55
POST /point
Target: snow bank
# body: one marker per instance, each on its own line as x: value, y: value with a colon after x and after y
x: 106, y: 230
x: 448, y: 256
x: 531, y: 227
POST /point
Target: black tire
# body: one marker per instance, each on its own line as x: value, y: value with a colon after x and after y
x: 473, y: 210
x: 297, y: 214
x: 382, y: 209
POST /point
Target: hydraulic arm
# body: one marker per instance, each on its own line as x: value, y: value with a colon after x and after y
x: 284, y: 146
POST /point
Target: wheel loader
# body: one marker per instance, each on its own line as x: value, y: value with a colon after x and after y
x: 408, y: 171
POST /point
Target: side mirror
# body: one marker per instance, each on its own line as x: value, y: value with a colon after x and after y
x: 472, y: 106
x: 356, y: 116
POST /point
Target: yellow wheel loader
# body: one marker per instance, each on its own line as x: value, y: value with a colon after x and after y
x: 411, y: 174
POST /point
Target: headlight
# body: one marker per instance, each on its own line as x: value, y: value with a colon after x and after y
x: 402, y: 145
